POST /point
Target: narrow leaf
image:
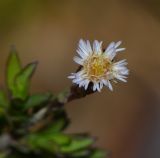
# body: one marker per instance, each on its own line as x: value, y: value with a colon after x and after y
x: 37, y: 100
x: 77, y: 144
x: 13, y: 68
x: 48, y: 140
x: 59, y: 138
x: 22, y: 81
x: 58, y: 126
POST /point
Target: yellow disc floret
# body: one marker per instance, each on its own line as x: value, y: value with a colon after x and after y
x: 96, y: 67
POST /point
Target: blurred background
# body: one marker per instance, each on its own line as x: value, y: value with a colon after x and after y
x: 126, y: 121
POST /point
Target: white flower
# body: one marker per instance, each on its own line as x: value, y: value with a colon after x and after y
x: 97, y: 66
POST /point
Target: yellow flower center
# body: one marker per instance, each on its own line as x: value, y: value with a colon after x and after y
x: 96, y: 67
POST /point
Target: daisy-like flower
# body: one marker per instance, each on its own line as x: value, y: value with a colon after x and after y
x: 98, y: 66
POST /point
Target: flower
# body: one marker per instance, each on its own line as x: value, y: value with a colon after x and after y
x: 98, y: 66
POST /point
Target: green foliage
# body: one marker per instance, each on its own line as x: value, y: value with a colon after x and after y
x: 34, y: 125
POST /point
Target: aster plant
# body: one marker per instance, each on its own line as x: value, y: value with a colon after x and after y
x: 33, y: 125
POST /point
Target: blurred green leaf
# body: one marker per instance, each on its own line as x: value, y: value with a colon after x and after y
x: 97, y: 153
x: 57, y: 126
x: 78, y: 143
x: 3, y: 99
x: 80, y: 153
x: 1, y: 111
x: 2, y: 155
x: 48, y: 141
x: 36, y: 100
x: 59, y: 138
x: 39, y: 142
x: 13, y: 68
x: 22, y: 81
x: 89, y: 153
x: 60, y: 122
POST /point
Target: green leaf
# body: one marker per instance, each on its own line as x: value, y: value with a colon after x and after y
x: 78, y: 143
x: 22, y: 81
x: 13, y: 68
x: 37, y: 100
x: 60, y: 121
x: 98, y: 154
x: 81, y: 153
x: 60, y: 138
x: 36, y: 142
x: 48, y: 141
x: 57, y: 126
x: 4, y: 103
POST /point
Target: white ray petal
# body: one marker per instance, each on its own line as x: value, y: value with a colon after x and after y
x: 112, y: 50
x: 81, y: 53
x: 71, y: 77
x: 97, y: 47
x: 101, y: 85
x: 78, y: 60
x: 111, y: 53
x: 83, y: 47
x: 80, y: 73
x: 121, y: 63
x: 120, y: 49
x: 98, y: 87
x: 80, y: 84
x: 111, y: 45
x: 104, y: 82
x: 121, y: 78
x: 86, y: 84
x: 110, y: 86
x: 94, y: 87
x: 118, y: 44
x: 89, y: 47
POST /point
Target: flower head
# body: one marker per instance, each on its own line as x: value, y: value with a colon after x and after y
x: 97, y: 66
